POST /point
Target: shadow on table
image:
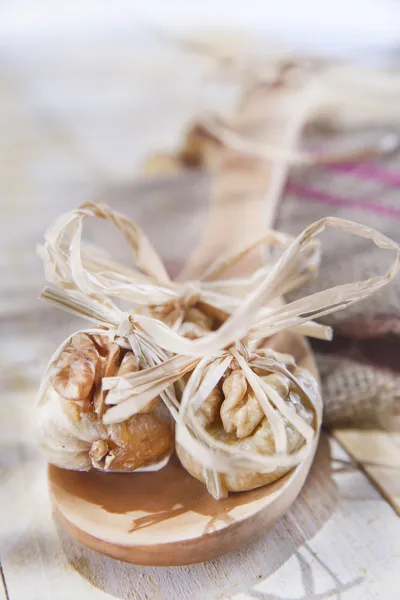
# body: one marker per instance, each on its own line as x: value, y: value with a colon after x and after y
x: 238, y: 572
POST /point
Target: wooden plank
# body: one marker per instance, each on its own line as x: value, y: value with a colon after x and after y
x: 377, y: 452
x: 3, y: 587
x: 391, y: 424
x: 338, y: 559
x: 34, y: 563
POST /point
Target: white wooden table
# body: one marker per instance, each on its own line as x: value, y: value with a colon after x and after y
x: 70, y: 124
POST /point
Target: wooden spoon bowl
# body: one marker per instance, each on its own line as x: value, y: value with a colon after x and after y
x: 167, y: 518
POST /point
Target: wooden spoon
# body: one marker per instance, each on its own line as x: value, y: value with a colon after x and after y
x: 168, y: 518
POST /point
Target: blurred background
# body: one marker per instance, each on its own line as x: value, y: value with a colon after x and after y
x: 98, y: 101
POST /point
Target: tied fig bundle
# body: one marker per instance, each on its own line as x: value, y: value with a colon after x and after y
x: 244, y: 414
x: 72, y: 398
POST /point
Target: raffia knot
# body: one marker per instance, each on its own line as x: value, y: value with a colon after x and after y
x: 238, y: 348
x: 125, y: 326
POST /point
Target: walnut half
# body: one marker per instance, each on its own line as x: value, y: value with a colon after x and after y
x: 234, y: 401
x: 141, y: 440
x: 75, y: 370
x: 234, y: 389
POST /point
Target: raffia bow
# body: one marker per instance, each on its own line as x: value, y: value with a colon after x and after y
x: 70, y: 266
x: 168, y: 355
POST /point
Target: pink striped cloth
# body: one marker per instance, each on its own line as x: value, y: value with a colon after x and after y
x: 370, y: 194
x: 360, y: 369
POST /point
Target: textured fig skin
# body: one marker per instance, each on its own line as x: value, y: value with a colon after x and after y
x: 73, y: 433
x: 251, y: 430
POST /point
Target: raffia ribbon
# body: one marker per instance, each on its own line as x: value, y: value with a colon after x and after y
x: 70, y: 266
x: 167, y: 355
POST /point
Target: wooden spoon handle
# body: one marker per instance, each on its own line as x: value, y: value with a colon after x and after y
x: 246, y: 189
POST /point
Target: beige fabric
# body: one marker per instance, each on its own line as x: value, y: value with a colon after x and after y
x: 354, y: 392
x: 365, y: 201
